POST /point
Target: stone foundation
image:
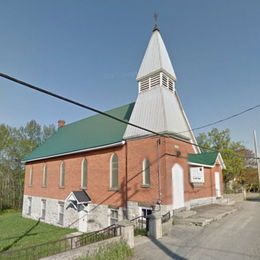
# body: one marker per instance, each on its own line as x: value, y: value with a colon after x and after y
x: 200, y: 202
x: 97, y: 216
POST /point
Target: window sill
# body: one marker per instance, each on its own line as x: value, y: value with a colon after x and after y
x: 146, y: 186
x: 113, y: 189
x: 61, y: 187
x: 44, y: 186
x: 30, y: 185
x: 83, y: 188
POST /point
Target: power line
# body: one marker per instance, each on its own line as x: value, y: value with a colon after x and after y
x: 222, y: 120
x: 28, y: 85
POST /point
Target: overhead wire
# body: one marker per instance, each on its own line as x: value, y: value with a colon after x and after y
x: 63, y: 98
x: 222, y: 120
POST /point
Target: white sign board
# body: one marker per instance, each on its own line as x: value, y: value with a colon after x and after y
x: 197, y: 174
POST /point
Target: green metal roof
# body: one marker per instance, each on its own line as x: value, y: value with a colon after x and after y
x: 91, y: 132
x: 208, y: 158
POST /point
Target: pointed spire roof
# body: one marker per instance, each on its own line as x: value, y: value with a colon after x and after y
x: 156, y: 57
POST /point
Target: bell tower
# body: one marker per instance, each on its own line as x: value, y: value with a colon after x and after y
x: 158, y: 106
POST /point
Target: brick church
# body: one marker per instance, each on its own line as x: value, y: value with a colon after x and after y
x: 97, y: 171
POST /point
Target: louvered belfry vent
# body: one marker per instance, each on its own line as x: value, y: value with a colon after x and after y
x: 158, y: 79
x: 144, y: 85
x: 155, y: 80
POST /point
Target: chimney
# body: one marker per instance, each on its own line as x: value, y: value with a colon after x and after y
x: 61, y: 123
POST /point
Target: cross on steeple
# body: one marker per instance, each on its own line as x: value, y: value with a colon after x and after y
x: 155, y: 16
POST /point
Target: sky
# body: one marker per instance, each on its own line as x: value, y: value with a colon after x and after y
x: 90, y: 51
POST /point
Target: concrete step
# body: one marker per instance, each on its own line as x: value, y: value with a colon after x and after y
x: 225, y: 201
x: 184, y: 214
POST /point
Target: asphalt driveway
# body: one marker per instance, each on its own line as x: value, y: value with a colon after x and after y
x: 236, y: 236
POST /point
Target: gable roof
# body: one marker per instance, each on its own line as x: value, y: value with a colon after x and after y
x: 207, y: 159
x: 81, y: 196
x: 92, y: 132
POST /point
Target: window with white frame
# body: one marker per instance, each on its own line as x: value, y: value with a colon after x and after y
x: 113, y: 216
x: 146, y: 212
x: 84, y: 172
x: 43, y: 209
x: 29, y: 203
x: 44, y: 176
x: 146, y: 172
x: 61, y: 213
x: 31, y: 176
x: 62, y: 174
x: 114, y: 172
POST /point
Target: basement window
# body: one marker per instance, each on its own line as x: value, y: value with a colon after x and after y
x: 43, y: 209
x: 113, y: 216
x: 29, y: 209
x: 146, y: 212
x: 61, y: 213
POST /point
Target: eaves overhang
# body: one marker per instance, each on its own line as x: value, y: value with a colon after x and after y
x: 75, y: 152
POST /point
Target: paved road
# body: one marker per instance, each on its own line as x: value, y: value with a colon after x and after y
x: 236, y: 236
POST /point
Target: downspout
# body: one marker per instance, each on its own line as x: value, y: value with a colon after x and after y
x: 126, y: 183
x: 159, y: 171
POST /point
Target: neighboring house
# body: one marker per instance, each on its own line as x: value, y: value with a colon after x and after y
x: 96, y: 171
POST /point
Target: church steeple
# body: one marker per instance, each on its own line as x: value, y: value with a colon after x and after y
x: 156, y: 67
x: 158, y: 106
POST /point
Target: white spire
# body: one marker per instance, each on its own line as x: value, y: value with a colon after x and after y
x: 156, y: 58
x: 158, y: 107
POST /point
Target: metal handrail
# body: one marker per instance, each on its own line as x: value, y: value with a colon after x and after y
x: 166, y: 217
x: 61, y: 245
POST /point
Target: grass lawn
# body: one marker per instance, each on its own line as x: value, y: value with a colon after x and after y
x: 18, y: 232
x: 116, y: 251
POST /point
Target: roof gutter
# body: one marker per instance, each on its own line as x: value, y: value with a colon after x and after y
x: 201, y: 164
x: 75, y: 152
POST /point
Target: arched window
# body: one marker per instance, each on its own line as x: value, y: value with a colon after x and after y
x: 31, y: 176
x: 44, y: 175
x: 114, y: 172
x: 146, y: 172
x: 62, y: 174
x: 84, y: 173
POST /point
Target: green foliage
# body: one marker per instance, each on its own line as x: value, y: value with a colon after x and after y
x: 15, y: 143
x: 115, y: 251
x: 140, y: 232
x: 233, y: 153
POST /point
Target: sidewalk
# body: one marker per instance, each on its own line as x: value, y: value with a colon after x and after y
x: 204, y: 215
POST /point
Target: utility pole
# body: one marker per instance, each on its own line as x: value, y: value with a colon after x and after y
x: 257, y: 160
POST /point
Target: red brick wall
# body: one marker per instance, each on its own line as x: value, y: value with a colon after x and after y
x: 137, y: 151
x: 99, y: 173
x: 97, y: 180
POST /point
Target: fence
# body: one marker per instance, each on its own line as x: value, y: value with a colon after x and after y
x: 141, y: 225
x: 62, y: 245
x: 106, y: 233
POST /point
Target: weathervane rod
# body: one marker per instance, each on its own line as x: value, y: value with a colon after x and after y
x: 155, y: 16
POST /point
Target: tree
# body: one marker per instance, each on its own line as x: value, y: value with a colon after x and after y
x: 234, y: 153
x: 15, y: 144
